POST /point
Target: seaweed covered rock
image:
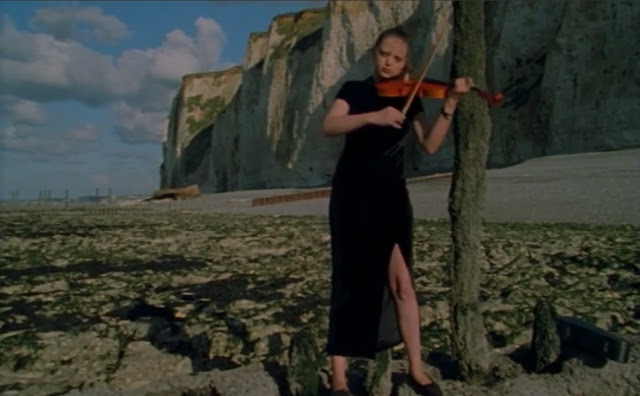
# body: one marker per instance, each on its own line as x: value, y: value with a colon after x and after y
x: 545, y: 345
x: 304, y: 364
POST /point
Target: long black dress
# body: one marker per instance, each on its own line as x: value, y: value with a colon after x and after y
x: 369, y: 212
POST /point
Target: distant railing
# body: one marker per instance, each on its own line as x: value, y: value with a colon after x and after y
x: 46, y: 197
x: 112, y: 204
x: 107, y: 204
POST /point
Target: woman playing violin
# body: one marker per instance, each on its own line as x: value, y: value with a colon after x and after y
x: 373, y: 301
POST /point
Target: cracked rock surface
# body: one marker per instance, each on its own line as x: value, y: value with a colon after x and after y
x: 195, y: 303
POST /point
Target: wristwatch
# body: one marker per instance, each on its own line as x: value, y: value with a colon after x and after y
x: 447, y: 116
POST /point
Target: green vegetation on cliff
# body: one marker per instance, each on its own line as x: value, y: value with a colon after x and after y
x: 296, y: 26
x: 209, y: 110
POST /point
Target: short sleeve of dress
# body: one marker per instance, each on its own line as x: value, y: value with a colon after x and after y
x: 346, y: 92
x: 415, y: 108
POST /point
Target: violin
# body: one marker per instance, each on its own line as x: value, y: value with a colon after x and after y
x: 429, y: 88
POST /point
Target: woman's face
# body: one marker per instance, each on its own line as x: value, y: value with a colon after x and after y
x: 391, y: 58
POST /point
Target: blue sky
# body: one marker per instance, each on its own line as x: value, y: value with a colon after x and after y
x: 86, y: 85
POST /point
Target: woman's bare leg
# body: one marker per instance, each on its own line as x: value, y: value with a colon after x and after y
x: 406, y: 304
x: 338, y: 372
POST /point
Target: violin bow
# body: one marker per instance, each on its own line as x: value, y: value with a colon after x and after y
x: 441, y: 30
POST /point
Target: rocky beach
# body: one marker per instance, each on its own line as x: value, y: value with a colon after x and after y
x: 145, y: 300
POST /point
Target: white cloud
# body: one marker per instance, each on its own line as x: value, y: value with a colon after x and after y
x: 41, y: 68
x: 138, y: 85
x: 180, y: 54
x: 136, y: 126
x: 176, y: 55
x: 80, y: 24
x: 82, y: 133
x: 21, y: 111
x: 9, y: 132
x: 33, y: 145
x: 209, y: 40
x: 47, y: 143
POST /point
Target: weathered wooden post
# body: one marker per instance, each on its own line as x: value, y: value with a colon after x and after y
x: 471, y: 133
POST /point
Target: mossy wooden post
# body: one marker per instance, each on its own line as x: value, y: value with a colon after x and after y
x: 471, y: 133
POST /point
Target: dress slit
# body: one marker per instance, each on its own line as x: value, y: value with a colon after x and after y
x: 388, y: 326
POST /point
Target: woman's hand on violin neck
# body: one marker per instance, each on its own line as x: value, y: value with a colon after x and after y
x: 389, y: 116
x: 459, y: 88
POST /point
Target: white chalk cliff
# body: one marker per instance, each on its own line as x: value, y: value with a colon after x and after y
x: 569, y: 72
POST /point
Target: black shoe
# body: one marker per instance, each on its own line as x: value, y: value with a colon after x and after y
x: 431, y: 389
x: 341, y: 392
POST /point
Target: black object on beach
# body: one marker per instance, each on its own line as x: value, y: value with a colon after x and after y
x: 583, y: 335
